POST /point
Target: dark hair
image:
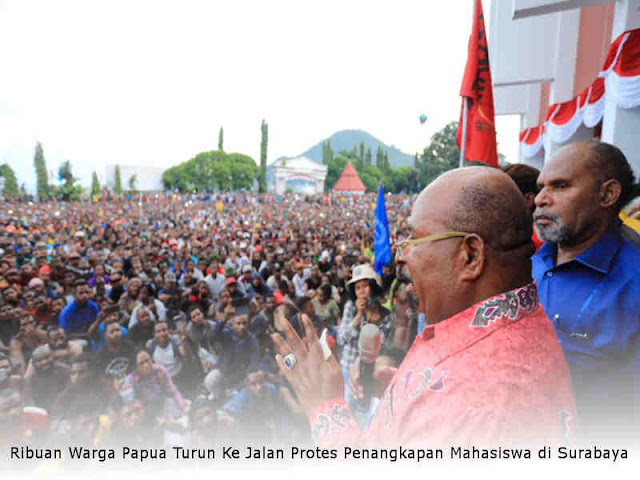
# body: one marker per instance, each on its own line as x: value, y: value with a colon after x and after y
x: 326, y: 289
x: 301, y: 302
x: 142, y: 350
x: 525, y: 176
x: 150, y: 289
x: 108, y: 325
x: 80, y: 282
x: 160, y: 322
x: 109, y: 309
x: 193, y: 308
x: 611, y: 163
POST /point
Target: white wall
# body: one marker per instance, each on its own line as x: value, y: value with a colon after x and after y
x: 521, y: 51
x: 528, y: 8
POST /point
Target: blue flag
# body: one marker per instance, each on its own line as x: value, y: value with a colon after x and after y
x: 381, y: 245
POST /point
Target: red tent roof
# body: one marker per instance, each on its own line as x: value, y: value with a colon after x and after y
x: 349, y: 181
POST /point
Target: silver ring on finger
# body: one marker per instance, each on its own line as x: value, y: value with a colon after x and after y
x: 289, y: 361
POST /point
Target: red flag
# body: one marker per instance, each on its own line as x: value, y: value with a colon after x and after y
x: 476, y: 87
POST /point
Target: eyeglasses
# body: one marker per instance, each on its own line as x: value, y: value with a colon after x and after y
x: 403, y: 244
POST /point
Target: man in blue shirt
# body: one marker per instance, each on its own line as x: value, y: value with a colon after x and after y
x: 77, y: 317
x: 240, y: 352
x: 588, y: 278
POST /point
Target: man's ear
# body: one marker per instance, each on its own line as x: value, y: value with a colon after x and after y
x: 610, y: 192
x: 472, y: 256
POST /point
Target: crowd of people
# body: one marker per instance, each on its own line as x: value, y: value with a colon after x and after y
x: 199, y: 319
x: 157, y: 318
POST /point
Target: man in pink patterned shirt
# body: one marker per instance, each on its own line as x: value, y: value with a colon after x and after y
x: 488, y: 369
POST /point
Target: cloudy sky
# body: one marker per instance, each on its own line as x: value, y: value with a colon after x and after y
x: 151, y: 82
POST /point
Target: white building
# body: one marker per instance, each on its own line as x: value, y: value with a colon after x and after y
x: 298, y: 175
x: 553, y: 63
x: 148, y: 179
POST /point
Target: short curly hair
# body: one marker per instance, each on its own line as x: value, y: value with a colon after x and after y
x: 609, y: 161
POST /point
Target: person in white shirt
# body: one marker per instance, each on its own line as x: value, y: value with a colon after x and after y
x: 299, y: 278
x: 215, y: 279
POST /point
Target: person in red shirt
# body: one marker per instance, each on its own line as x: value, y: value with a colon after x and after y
x: 488, y: 368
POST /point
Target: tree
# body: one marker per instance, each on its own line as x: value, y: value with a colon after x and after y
x: 367, y: 157
x: 413, y: 181
x: 69, y: 190
x: 441, y: 155
x: 262, y: 179
x: 41, y: 171
x: 386, y: 166
x: 64, y: 172
x: 10, y: 182
x: 221, y: 140
x: 379, y: 156
x: 327, y: 152
x: 334, y: 169
x: 117, y: 188
x: 403, y: 180
x: 95, y: 184
x: 210, y: 171
x: 371, y: 177
x: 132, y: 182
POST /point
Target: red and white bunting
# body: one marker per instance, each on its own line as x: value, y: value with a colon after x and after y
x: 592, y: 103
x: 531, y: 140
x: 619, y: 81
x: 622, y: 70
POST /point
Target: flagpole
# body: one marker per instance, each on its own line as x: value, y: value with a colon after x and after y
x: 463, y: 142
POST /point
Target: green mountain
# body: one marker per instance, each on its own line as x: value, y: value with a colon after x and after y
x: 346, y: 139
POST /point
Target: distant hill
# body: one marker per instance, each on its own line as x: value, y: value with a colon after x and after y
x: 346, y: 139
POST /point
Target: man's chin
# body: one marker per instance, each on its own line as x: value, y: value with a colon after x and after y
x: 548, y: 233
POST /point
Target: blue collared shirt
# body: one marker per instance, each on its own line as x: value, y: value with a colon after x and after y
x: 594, y: 304
x: 76, y: 320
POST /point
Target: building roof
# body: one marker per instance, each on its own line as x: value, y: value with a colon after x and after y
x: 298, y: 163
x: 349, y: 181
